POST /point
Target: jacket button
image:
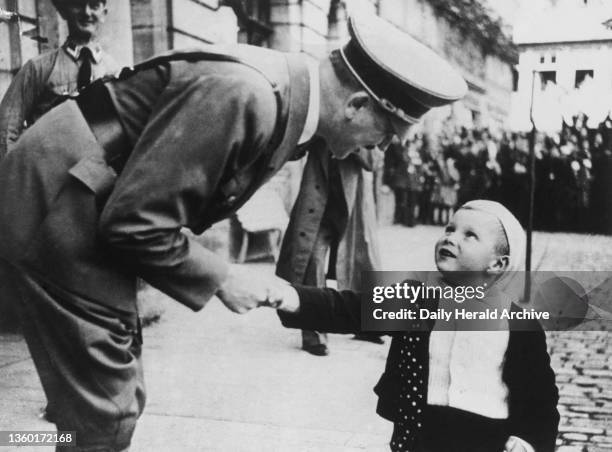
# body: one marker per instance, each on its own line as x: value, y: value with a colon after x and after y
x: 231, y: 199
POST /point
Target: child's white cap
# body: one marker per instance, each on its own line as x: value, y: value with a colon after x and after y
x: 515, y: 235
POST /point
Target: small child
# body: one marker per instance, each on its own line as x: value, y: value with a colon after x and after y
x: 457, y: 391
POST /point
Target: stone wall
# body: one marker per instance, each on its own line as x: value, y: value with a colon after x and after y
x: 583, y: 367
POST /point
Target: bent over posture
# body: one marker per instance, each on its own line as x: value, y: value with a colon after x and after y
x: 98, y: 189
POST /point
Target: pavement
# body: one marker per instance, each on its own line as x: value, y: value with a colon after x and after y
x: 217, y: 381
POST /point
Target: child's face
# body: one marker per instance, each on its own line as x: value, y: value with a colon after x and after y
x: 469, y: 243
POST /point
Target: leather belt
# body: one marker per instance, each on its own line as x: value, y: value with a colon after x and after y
x: 101, y: 116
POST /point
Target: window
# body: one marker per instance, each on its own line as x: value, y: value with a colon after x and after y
x: 553, y: 58
x: 542, y: 59
x: 581, y: 75
x: 547, y: 77
x: 17, y: 43
x: 254, y: 18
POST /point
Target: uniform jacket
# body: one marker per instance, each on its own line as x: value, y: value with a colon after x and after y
x: 38, y: 86
x: 206, y: 146
x: 358, y: 245
x: 533, y: 396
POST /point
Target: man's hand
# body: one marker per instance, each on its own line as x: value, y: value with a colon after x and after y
x: 243, y: 289
x: 282, y: 296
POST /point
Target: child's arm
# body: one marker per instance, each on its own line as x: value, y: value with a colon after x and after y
x: 325, y: 310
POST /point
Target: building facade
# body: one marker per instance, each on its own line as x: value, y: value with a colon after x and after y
x: 566, y: 50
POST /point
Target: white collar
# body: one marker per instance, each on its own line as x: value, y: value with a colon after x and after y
x: 314, y: 100
x: 74, y: 50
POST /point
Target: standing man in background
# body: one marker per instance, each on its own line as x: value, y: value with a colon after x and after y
x: 47, y: 79
x: 332, y: 231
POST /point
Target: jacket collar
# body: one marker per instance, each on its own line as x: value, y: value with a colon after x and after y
x: 74, y: 50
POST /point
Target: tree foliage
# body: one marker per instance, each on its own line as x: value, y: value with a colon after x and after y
x: 474, y: 19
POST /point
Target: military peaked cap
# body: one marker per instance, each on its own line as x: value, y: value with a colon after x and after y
x: 404, y: 76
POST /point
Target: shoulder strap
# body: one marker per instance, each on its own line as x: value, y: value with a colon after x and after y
x: 191, y: 55
x: 203, y: 55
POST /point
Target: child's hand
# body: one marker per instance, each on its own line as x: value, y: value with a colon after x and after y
x: 515, y: 444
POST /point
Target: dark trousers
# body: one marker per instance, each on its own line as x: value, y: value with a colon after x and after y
x: 315, y: 275
x: 88, y: 358
x: 447, y: 429
x: 405, y: 202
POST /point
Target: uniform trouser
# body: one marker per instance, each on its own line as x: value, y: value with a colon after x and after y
x: 315, y: 275
x: 88, y: 358
x: 76, y: 301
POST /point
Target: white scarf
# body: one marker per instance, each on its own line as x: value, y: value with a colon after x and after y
x: 465, y: 367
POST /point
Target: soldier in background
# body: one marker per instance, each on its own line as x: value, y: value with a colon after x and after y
x: 47, y: 79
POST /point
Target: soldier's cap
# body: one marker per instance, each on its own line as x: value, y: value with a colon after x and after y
x: 404, y: 76
x: 60, y: 4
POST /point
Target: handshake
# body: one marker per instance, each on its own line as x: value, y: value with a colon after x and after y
x: 245, y: 289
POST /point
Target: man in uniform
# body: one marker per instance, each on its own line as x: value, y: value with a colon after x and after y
x: 97, y: 191
x: 44, y: 80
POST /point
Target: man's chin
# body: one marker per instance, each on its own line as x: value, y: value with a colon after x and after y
x: 86, y: 32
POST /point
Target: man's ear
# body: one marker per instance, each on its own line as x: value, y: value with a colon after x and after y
x: 356, y: 102
x: 498, y: 265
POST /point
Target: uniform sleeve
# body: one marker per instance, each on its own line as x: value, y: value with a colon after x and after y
x: 325, y: 310
x: 17, y: 105
x: 199, y: 131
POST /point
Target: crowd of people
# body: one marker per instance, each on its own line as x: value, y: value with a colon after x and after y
x: 431, y: 177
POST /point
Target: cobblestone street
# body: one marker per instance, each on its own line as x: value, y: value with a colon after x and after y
x: 221, y: 382
x: 583, y: 364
